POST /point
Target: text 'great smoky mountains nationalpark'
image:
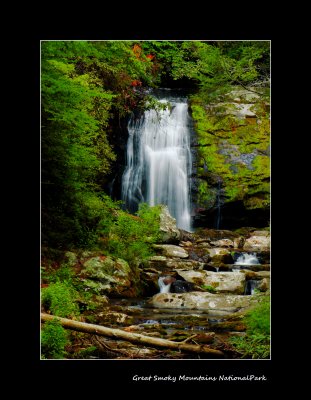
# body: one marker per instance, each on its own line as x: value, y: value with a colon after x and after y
x: 170, y: 378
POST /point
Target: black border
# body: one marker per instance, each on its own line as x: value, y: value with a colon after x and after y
x: 113, y: 373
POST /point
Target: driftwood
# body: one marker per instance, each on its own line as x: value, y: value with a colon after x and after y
x: 133, y: 337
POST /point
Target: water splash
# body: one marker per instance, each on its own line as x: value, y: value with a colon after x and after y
x: 159, y: 161
x: 164, y: 287
x: 247, y: 259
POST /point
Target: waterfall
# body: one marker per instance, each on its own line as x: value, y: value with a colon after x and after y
x: 247, y: 259
x: 159, y: 161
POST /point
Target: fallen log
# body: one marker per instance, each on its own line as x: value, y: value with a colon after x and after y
x: 133, y: 337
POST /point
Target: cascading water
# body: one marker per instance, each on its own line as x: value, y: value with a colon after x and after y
x: 164, y: 287
x: 247, y: 259
x: 159, y: 161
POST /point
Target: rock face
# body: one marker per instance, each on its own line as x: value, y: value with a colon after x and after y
x: 201, y: 301
x: 170, y: 250
x: 232, y: 160
x: 169, y: 233
x: 108, y: 275
x: 222, y: 282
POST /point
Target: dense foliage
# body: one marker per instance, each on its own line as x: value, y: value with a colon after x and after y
x: 54, y: 338
x: 88, y: 85
x: 131, y: 237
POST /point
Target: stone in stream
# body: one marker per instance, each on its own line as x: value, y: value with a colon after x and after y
x: 221, y: 255
x: 262, y: 278
x: 201, y: 301
x: 161, y: 263
x: 170, y: 250
x: 169, y: 233
x: 257, y: 243
x: 223, y: 282
x: 222, y: 243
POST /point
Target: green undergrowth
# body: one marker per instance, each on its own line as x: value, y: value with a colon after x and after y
x: 256, y: 343
x: 54, y: 338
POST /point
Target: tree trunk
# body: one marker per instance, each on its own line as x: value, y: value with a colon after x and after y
x: 133, y: 337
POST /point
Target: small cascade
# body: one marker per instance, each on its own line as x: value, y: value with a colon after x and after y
x: 250, y: 286
x: 217, y: 269
x: 247, y: 259
x: 165, y: 284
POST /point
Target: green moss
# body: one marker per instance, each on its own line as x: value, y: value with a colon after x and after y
x: 224, y: 142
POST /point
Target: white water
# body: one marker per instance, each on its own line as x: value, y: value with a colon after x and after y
x: 163, y: 287
x: 159, y: 161
x: 247, y: 259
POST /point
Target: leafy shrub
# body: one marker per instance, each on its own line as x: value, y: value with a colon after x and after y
x: 131, y: 237
x: 62, y: 274
x: 60, y: 299
x: 256, y: 343
x: 54, y: 338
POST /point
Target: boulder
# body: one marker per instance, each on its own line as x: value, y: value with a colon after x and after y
x: 256, y: 275
x: 222, y: 243
x: 257, y: 243
x: 169, y: 233
x: 170, y: 250
x: 201, y: 301
x: 264, y: 285
x: 108, y: 275
x: 238, y: 242
x: 161, y: 263
x: 220, y: 255
x: 222, y: 282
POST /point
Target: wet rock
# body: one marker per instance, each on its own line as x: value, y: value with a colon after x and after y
x: 222, y: 282
x: 256, y: 275
x: 201, y: 301
x: 237, y: 326
x: 165, y: 264
x: 169, y: 233
x: 115, y: 318
x: 222, y: 243
x: 185, y: 244
x: 220, y: 255
x: 179, y: 286
x: 257, y: 243
x: 238, y: 243
x: 170, y: 250
x: 264, y: 285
